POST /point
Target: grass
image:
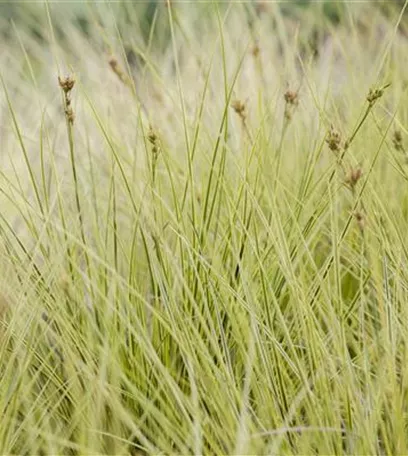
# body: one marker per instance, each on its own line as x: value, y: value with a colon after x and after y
x: 203, y: 231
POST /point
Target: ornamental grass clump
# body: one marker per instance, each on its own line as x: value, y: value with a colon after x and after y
x: 186, y: 272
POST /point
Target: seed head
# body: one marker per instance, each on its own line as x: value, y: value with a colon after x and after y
x: 333, y: 140
x: 354, y: 177
x: 361, y: 220
x: 119, y: 71
x: 113, y: 62
x: 151, y: 136
x: 397, y: 136
x: 153, y: 140
x: 291, y: 98
x: 255, y: 50
x: 375, y: 94
x: 291, y: 101
x: 70, y: 114
x: 67, y: 83
x: 240, y: 108
x: 397, y: 141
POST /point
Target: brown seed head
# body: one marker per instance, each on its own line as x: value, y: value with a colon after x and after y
x: 375, y: 94
x: 354, y: 177
x: 397, y: 141
x: 67, y: 83
x: 397, y: 136
x: 361, y: 221
x: 154, y: 141
x: 119, y: 71
x: 113, y: 62
x: 70, y: 114
x: 333, y: 140
x: 151, y: 136
x: 255, y: 50
x: 291, y: 97
x: 238, y: 106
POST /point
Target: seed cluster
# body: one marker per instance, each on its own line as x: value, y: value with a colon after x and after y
x: 240, y: 108
x: 154, y: 141
x: 398, y: 142
x: 374, y: 95
x: 255, y: 50
x: 67, y: 84
x: 291, y: 101
x: 333, y: 140
x: 119, y: 71
x: 352, y: 177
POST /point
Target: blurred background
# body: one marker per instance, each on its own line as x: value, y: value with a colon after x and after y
x: 133, y: 19
x: 79, y: 10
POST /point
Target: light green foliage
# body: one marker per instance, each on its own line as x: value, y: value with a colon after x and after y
x: 203, y: 231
